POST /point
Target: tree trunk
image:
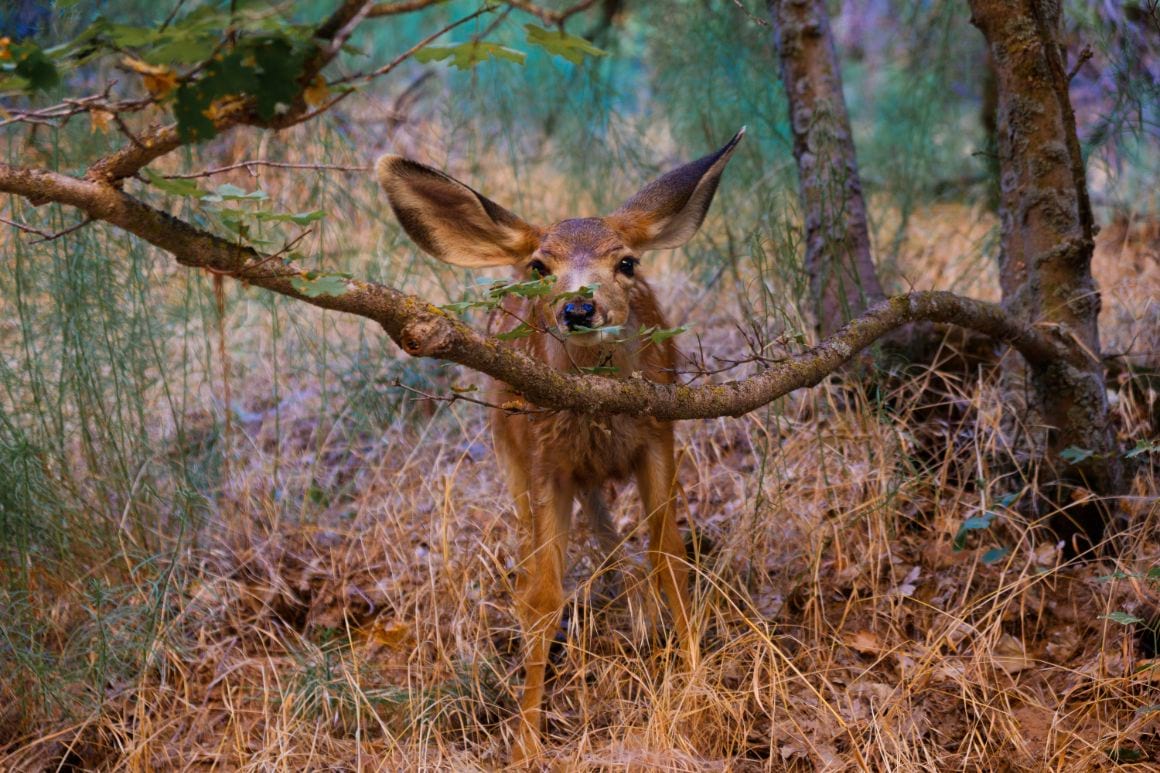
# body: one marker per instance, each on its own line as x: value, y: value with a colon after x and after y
x: 1047, y: 241
x: 842, y: 276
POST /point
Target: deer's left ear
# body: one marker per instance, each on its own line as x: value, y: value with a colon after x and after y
x: 668, y: 211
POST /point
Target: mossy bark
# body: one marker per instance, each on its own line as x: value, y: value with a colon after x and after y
x: 1046, y: 247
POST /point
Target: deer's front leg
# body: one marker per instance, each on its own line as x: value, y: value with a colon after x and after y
x: 656, y: 476
x: 540, y: 592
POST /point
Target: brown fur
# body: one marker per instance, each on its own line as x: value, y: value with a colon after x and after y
x: 551, y: 460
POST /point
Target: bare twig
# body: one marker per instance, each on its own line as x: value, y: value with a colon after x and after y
x: 404, y: 6
x: 248, y: 165
x: 552, y: 17
x: 755, y: 19
x: 1084, y: 55
x: 45, y: 236
x: 398, y: 60
x: 454, y: 397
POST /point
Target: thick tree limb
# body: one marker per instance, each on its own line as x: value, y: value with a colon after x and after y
x: 422, y: 329
x: 1046, y: 238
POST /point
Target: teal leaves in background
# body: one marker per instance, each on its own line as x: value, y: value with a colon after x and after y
x: 974, y: 523
x: 995, y: 555
x: 560, y: 43
x: 1074, y: 455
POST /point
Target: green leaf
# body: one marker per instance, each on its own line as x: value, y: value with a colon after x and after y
x: 1143, y: 447
x: 279, y: 65
x: 663, y: 334
x: 185, y: 49
x: 313, y: 284
x: 37, y: 70
x: 176, y: 187
x: 975, y: 523
x: 522, y: 330
x: 560, y: 43
x: 995, y: 555
x: 612, y: 330
x: 462, y: 306
x: 1123, y: 618
x: 1074, y: 455
x: 297, y: 218
x: 189, y: 107
x: 533, y: 288
x: 230, y: 192
x: 467, y: 55
x: 1153, y: 574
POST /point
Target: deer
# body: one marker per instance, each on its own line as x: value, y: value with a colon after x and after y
x: 554, y: 459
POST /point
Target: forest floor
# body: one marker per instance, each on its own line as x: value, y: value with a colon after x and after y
x: 873, y: 587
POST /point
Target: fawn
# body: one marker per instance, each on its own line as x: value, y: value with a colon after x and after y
x: 553, y: 458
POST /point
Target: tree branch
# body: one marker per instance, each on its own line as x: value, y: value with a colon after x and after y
x: 423, y: 329
x: 402, y: 6
x: 551, y: 17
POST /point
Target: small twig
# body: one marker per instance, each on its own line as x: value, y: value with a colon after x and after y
x: 45, y: 236
x: 65, y: 232
x: 753, y: 18
x: 1084, y: 55
x: 276, y: 164
x: 124, y: 127
x: 552, y: 17
x: 26, y: 228
x: 457, y: 396
x: 405, y: 6
x: 408, y: 53
x: 172, y: 15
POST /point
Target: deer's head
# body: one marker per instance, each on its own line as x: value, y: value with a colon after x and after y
x: 459, y: 226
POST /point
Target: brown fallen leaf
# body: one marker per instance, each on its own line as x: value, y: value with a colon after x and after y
x: 863, y: 641
x: 1009, y: 655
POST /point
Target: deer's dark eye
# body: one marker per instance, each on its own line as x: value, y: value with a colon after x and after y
x: 538, y: 269
x: 627, y: 266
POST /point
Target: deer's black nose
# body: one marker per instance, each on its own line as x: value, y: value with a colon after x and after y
x: 578, y: 314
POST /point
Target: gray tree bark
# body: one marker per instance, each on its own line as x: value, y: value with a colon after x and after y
x: 843, y: 280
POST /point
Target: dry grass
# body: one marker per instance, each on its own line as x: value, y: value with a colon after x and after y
x: 371, y: 626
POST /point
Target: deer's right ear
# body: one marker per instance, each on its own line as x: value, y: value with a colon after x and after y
x: 451, y: 221
x: 668, y: 211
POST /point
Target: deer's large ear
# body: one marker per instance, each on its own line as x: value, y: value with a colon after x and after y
x: 668, y: 211
x: 451, y: 221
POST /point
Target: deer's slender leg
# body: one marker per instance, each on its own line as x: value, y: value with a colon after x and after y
x: 656, y: 477
x: 540, y: 592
